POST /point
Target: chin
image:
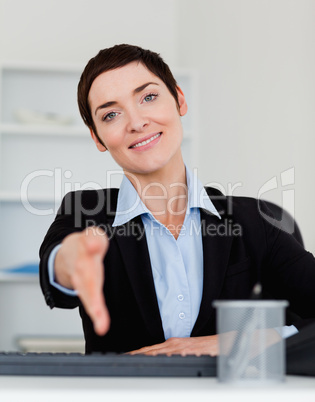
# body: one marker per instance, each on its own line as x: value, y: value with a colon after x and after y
x: 146, y: 164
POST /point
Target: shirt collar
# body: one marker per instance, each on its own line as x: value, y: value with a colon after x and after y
x: 197, y: 195
x: 129, y: 204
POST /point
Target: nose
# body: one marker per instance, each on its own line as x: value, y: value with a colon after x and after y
x: 137, y: 121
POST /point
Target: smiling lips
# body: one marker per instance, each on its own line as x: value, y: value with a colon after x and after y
x: 145, y: 142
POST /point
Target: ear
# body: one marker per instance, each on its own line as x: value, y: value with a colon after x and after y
x: 101, y: 147
x: 182, y: 102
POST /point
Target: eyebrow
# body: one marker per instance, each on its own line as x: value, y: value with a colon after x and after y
x: 135, y: 91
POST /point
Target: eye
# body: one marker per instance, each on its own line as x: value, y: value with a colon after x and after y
x: 150, y: 97
x: 110, y: 116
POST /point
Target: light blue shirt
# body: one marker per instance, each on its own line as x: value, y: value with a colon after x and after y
x: 177, y: 265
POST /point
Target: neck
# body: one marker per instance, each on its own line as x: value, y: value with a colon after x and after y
x: 164, y: 191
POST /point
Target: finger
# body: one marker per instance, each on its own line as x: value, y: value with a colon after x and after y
x: 101, y: 319
x: 169, y: 347
x: 153, y: 350
x: 144, y: 350
x: 183, y: 346
x: 96, y: 308
x: 90, y: 280
x: 141, y: 351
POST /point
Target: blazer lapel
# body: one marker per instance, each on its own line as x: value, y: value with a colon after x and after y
x: 217, y: 242
x: 135, y: 254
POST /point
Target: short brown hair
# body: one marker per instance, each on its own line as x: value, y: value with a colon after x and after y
x: 119, y: 56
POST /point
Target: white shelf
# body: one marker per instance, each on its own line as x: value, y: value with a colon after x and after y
x: 65, y: 344
x: 7, y: 277
x: 16, y: 198
x: 32, y: 66
x: 24, y: 129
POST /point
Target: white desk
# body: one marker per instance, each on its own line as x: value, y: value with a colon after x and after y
x: 77, y: 389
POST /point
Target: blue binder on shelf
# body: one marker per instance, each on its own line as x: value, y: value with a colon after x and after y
x: 25, y: 269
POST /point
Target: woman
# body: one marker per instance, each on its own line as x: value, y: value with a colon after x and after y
x: 174, y: 246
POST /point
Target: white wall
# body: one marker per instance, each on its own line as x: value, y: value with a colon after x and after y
x: 257, y: 61
x: 75, y: 30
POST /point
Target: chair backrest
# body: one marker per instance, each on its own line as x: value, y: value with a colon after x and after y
x: 289, y: 225
x: 286, y: 221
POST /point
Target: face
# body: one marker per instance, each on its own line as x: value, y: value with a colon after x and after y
x: 137, y: 118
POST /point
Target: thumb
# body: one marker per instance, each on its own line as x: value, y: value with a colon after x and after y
x: 96, y: 241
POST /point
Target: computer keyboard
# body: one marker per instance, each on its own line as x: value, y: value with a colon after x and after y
x: 75, y: 364
x: 300, y: 360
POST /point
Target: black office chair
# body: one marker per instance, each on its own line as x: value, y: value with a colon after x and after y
x: 284, y: 220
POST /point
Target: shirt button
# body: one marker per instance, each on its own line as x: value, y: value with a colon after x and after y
x: 180, y: 297
x: 181, y: 316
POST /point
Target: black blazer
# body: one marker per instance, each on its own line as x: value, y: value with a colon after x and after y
x: 238, y: 250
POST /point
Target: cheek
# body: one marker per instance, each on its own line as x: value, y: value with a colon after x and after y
x: 173, y: 119
x: 112, y: 138
x: 169, y: 115
x: 112, y: 142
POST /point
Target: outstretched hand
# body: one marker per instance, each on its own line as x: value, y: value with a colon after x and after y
x: 79, y: 266
x: 203, y: 345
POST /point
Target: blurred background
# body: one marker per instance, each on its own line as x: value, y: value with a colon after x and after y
x: 247, y: 67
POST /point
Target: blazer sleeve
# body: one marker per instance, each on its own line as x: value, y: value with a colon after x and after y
x: 63, y: 225
x: 78, y: 210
